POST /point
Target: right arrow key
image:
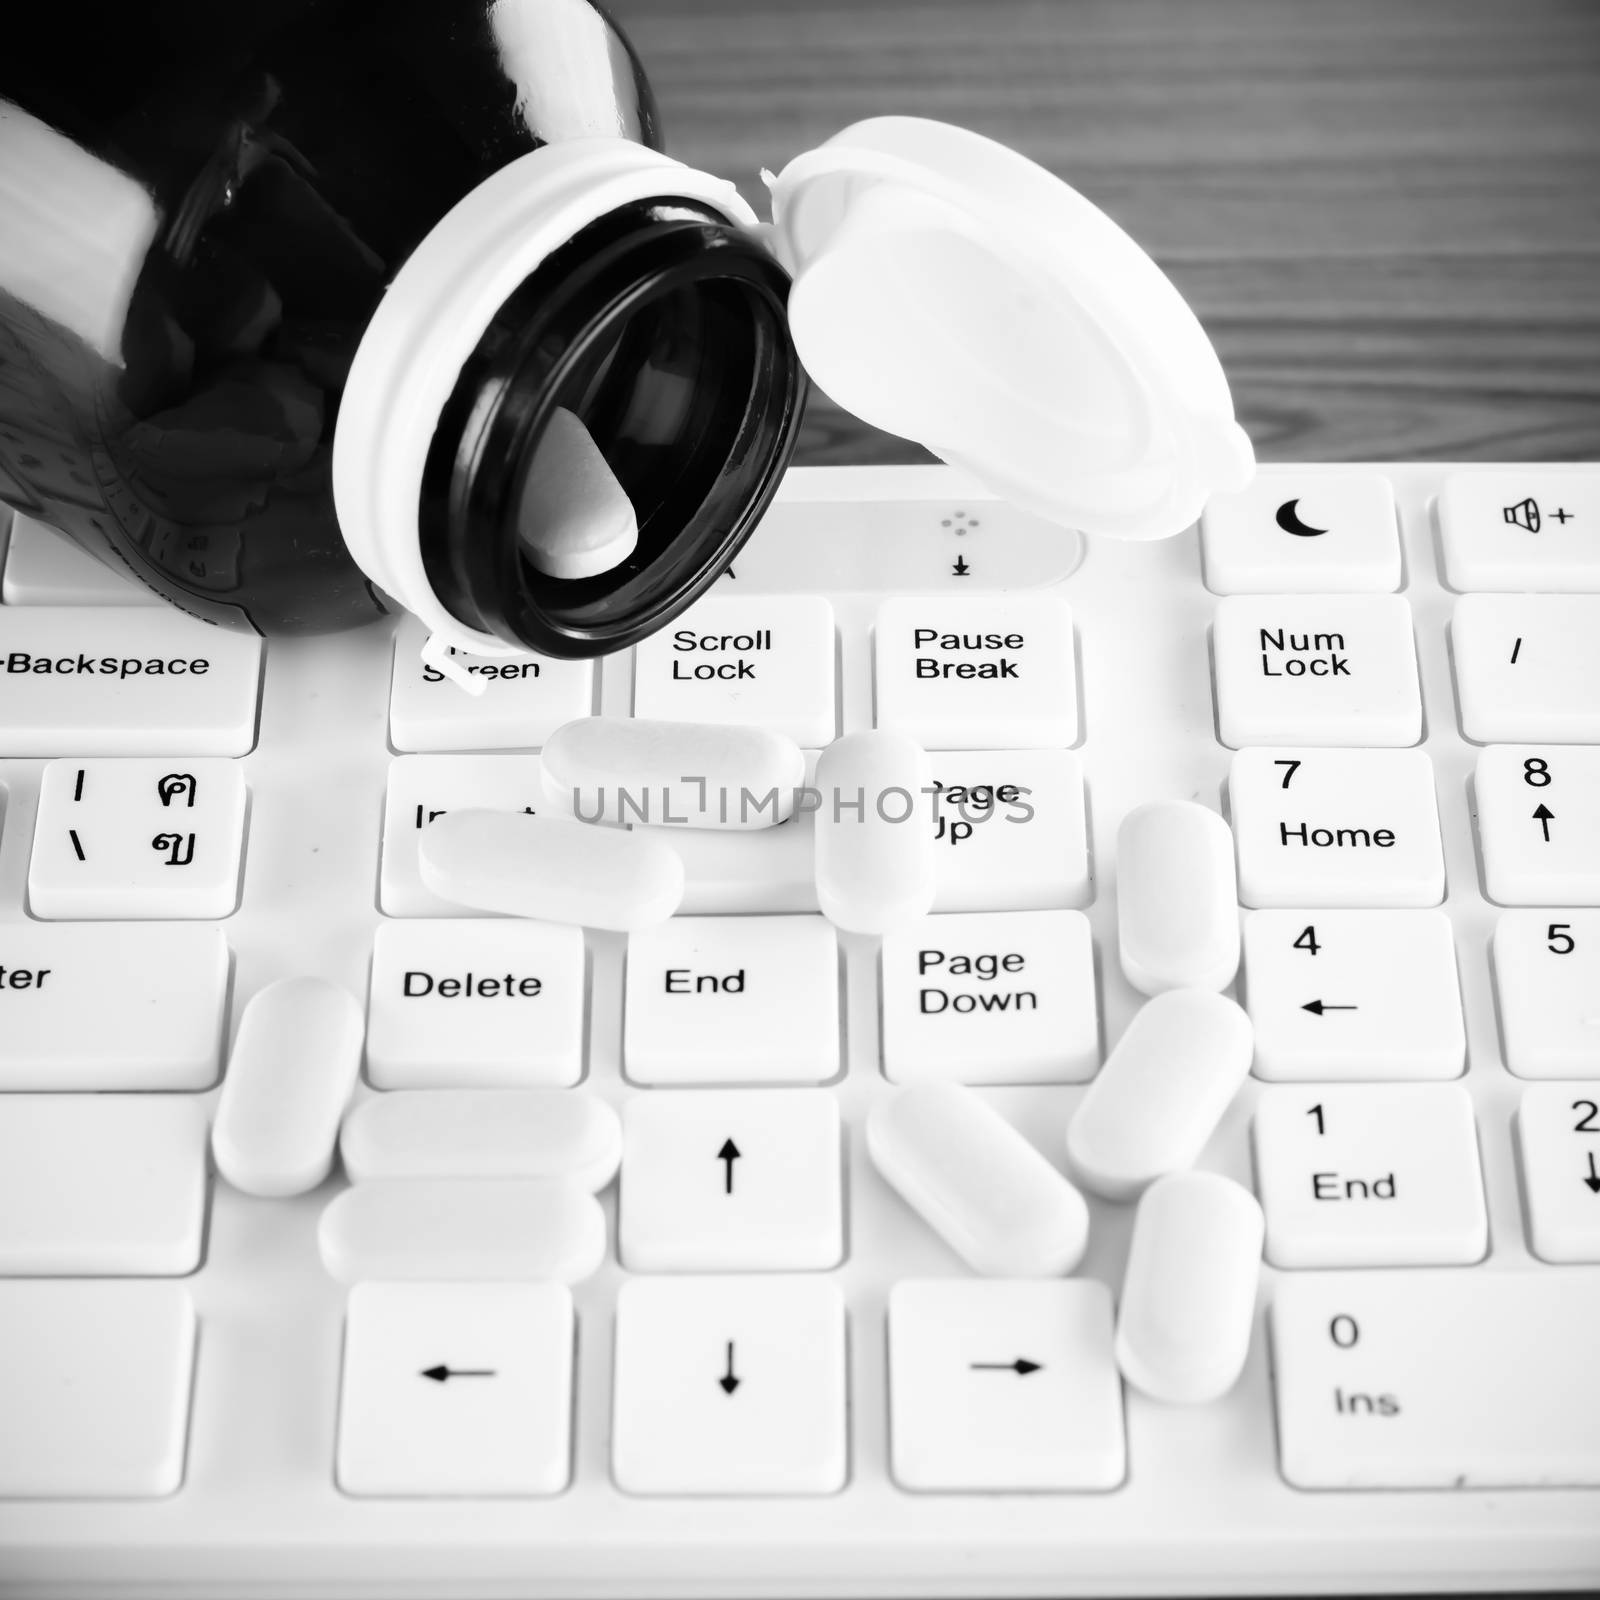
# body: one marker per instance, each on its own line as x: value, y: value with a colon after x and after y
x: 1003, y: 1385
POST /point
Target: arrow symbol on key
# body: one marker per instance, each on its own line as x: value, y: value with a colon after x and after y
x: 727, y: 1381
x: 728, y: 1154
x: 1543, y: 816
x: 1317, y: 1007
x: 1021, y: 1366
x: 1593, y: 1180
x: 443, y: 1374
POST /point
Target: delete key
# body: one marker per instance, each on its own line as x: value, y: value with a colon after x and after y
x: 994, y: 671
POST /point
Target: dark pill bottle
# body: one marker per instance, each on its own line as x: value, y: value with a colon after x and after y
x: 202, y: 206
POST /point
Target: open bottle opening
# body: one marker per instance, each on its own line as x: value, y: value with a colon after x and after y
x: 616, y: 433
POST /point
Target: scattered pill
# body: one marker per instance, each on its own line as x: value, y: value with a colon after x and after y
x: 576, y: 519
x: 688, y: 774
x: 1189, y: 1292
x: 875, y: 859
x: 483, y: 1133
x: 1177, y: 901
x: 977, y: 1182
x: 551, y: 868
x: 293, y: 1065
x: 1161, y: 1092
x: 457, y: 1229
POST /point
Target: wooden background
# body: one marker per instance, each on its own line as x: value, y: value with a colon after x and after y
x: 1386, y: 212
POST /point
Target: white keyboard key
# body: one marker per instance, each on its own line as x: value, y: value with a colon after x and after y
x: 294, y: 1062
x: 101, y: 1185
x: 679, y: 774
x: 525, y: 698
x: 752, y: 869
x: 424, y: 788
x: 1010, y: 830
x: 1336, y: 828
x: 1558, y: 1129
x: 1315, y: 670
x: 977, y: 1182
x: 1539, y: 824
x: 1521, y: 529
x: 732, y: 1000
x: 1462, y: 1380
x: 874, y: 846
x: 1302, y: 533
x: 124, y: 681
x: 896, y: 543
x: 483, y: 1133
x: 1189, y: 1291
x: 1547, y: 977
x: 977, y: 672
x: 1528, y: 666
x: 766, y: 661
x: 111, y: 1006
x: 552, y: 869
x: 456, y: 1389
x: 729, y: 1388
x: 1354, y: 995
x: 1177, y: 904
x: 463, y: 1229
x: 45, y: 568
x: 731, y: 1181
x: 1385, y: 1175
x: 1161, y: 1093
x: 138, y: 839
x: 94, y: 1389
x: 475, y: 1004
x: 991, y: 997
x: 1003, y: 1387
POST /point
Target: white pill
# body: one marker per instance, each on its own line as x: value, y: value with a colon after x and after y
x: 551, y: 868
x: 453, y: 1229
x: 875, y: 847
x: 684, y: 774
x: 483, y: 1133
x: 1177, y: 902
x: 1189, y: 1292
x: 977, y: 1182
x: 1161, y: 1093
x: 576, y: 519
x: 293, y: 1065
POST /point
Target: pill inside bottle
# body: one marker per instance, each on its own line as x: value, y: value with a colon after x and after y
x: 575, y: 519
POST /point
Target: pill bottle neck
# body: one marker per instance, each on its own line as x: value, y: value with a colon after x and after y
x: 657, y: 334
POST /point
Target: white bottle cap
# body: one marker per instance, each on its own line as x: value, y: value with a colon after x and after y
x: 950, y: 291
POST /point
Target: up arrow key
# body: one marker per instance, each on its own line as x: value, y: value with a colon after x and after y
x: 727, y: 1155
x: 1544, y: 816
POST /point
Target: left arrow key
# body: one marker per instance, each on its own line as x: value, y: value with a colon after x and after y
x: 413, y: 1425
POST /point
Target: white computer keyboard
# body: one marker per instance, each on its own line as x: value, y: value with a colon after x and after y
x: 788, y: 1385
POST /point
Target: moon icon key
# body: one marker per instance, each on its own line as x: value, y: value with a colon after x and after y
x: 1287, y: 517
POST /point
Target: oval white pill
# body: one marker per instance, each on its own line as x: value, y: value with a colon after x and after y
x: 575, y: 518
x: 293, y: 1065
x: 551, y: 868
x: 687, y: 774
x: 977, y: 1182
x: 1161, y: 1093
x: 483, y: 1133
x: 452, y: 1229
x: 875, y: 844
x: 1189, y: 1292
x: 1177, y: 901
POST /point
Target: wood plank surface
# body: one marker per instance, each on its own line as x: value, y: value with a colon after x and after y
x: 1386, y: 212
